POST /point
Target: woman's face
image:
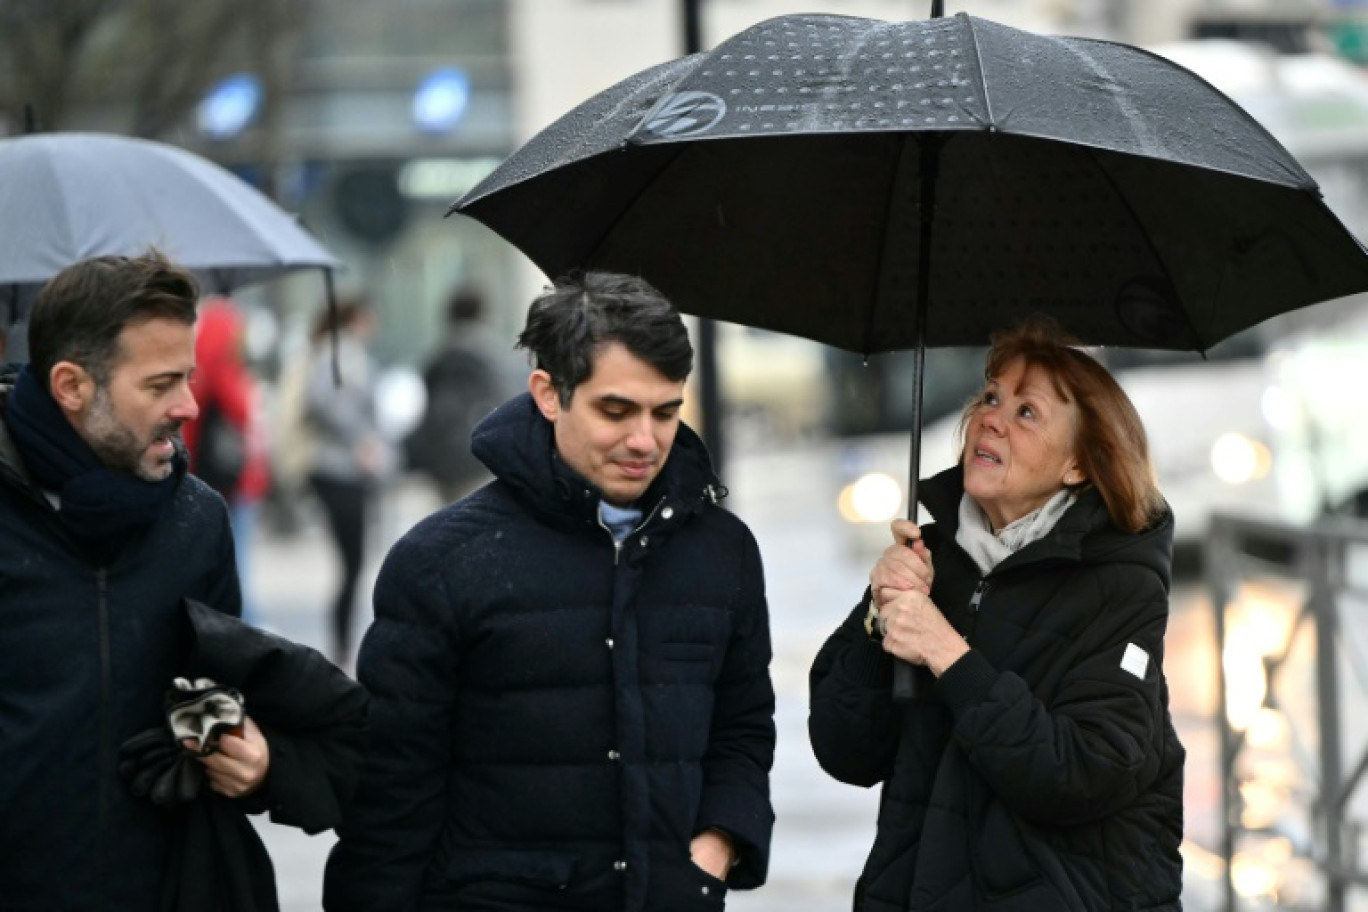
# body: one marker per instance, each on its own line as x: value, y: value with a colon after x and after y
x: 1018, y: 444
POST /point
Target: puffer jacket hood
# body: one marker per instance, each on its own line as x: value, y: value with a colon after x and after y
x: 517, y: 444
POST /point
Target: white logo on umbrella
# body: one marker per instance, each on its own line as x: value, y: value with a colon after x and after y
x: 685, y: 114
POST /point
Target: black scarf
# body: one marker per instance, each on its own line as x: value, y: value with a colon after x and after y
x: 98, y: 503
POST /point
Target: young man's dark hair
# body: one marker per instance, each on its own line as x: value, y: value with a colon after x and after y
x: 583, y: 312
x: 80, y: 313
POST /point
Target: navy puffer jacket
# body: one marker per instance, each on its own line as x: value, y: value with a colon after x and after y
x: 87, y: 651
x: 553, y: 718
x: 1042, y: 772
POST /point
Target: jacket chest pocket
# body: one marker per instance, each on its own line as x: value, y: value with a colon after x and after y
x: 685, y: 644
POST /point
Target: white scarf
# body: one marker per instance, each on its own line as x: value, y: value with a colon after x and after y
x: 987, y: 548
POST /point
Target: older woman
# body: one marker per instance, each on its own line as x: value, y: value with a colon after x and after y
x: 1041, y: 770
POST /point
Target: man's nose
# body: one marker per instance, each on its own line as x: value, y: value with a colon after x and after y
x: 641, y: 435
x: 185, y: 408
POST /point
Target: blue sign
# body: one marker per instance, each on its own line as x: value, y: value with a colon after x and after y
x: 440, y: 100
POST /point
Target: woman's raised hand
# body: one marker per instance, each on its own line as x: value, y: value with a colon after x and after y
x: 904, y: 566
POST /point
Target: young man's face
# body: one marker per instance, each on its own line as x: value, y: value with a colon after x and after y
x: 131, y: 423
x: 620, y: 424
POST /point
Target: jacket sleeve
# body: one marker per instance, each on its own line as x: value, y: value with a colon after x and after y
x: 315, y: 769
x: 311, y: 713
x: 408, y: 663
x: 736, y: 767
x: 1098, y: 744
x: 852, y: 722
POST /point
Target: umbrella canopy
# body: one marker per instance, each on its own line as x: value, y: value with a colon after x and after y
x: 68, y: 196
x: 879, y: 185
x: 887, y: 185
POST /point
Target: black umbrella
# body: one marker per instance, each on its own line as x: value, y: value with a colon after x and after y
x: 889, y: 185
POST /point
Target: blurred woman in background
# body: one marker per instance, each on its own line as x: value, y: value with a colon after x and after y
x: 347, y: 454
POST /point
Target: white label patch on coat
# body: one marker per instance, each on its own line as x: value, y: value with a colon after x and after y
x: 1136, y: 660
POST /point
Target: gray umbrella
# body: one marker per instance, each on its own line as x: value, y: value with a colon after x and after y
x: 889, y: 185
x: 68, y: 196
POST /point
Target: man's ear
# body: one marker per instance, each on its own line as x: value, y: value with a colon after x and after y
x: 544, y: 394
x: 71, y: 386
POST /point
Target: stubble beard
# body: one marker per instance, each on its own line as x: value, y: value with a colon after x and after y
x: 118, y: 448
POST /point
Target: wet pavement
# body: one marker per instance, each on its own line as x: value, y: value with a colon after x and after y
x: 813, y: 577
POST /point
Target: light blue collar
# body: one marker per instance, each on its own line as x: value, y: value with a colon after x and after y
x: 619, y: 520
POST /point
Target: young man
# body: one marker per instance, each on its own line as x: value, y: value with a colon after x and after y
x: 102, y: 534
x: 569, y: 667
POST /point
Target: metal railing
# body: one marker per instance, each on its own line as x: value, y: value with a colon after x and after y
x: 1309, y: 578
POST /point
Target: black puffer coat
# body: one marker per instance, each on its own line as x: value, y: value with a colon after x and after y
x: 554, y: 719
x: 1042, y: 772
x: 86, y: 653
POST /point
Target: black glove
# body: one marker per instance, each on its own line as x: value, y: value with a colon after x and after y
x: 156, y: 765
x: 157, y: 768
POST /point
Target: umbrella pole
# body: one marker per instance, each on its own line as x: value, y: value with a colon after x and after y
x: 907, y: 678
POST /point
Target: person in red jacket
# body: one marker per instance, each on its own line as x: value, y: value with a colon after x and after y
x: 239, y: 466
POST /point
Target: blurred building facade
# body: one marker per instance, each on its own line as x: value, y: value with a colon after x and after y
x: 376, y: 116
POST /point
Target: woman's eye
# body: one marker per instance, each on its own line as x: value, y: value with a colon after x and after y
x: 1026, y: 412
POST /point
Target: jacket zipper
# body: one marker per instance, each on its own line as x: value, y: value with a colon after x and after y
x: 106, y: 724
x: 974, y: 603
x: 617, y: 545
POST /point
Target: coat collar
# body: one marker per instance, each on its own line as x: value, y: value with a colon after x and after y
x: 1084, y: 534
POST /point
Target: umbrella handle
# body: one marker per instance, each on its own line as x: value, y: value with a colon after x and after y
x: 908, y: 682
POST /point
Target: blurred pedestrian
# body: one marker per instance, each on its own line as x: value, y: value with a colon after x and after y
x: 348, y: 456
x: 569, y: 668
x: 102, y: 534
x: 226, y: 441
x: 1041, y: 769
x: 462, y: 388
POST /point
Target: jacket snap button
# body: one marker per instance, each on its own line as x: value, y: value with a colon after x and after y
x: 667, y: 513
x: 645, y: 540
x: 705, y: 891
x: 609, y: 641
x: 619, y: 866
x: 613, y: 755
